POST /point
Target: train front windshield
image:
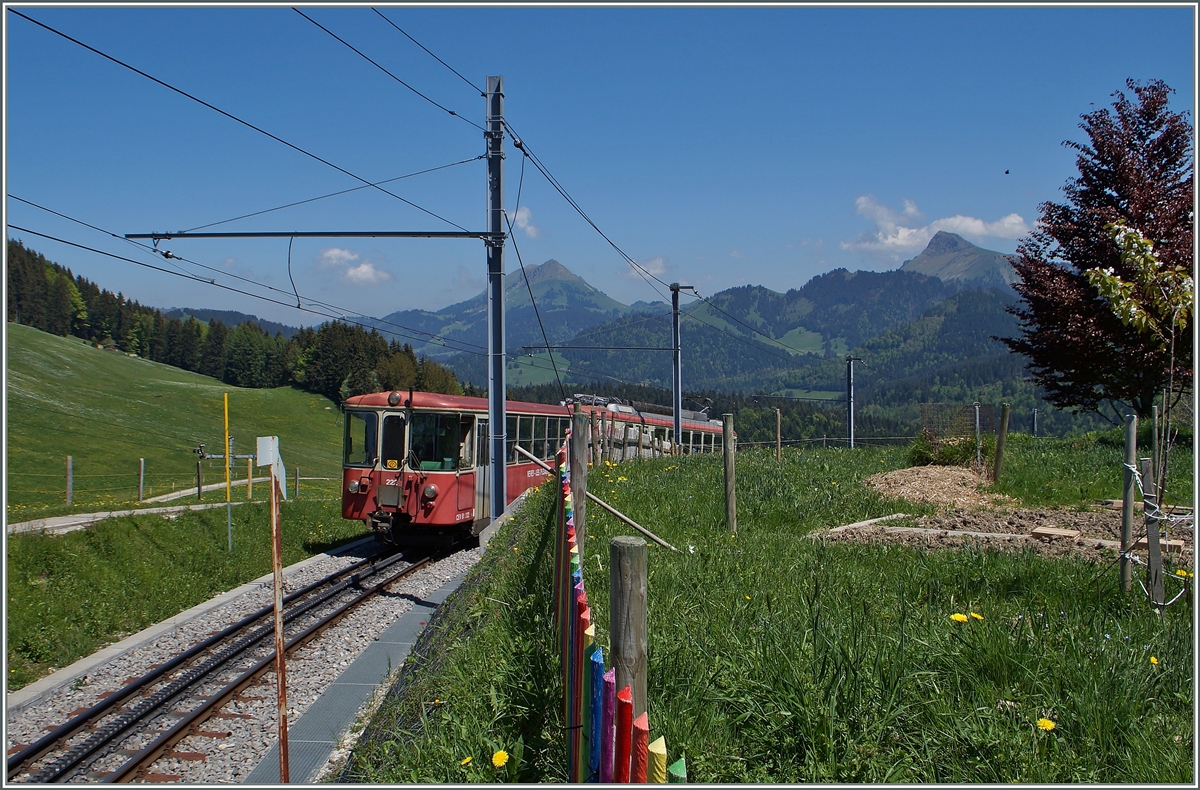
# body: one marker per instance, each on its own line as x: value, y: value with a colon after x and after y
x: 361, y: 438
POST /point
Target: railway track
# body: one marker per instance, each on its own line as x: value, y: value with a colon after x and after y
x: 120, y: 737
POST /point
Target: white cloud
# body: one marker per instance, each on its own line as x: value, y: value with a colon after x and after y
x: 523, y: 219
x: 736, y: 254
x: 897, y: 232
x: 657, y: 266
x: 350, y: 268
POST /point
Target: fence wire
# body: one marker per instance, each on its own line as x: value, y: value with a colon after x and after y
x: 950, y: 420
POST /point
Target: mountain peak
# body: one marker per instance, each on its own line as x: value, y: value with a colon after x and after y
x: 952, y: 258
x: 550, y: 270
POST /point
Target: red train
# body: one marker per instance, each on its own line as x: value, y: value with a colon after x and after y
x: 415, y: 465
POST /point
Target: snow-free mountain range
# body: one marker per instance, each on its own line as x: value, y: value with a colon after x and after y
x: 931, y: 319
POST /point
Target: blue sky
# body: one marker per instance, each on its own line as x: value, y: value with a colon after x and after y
x: 716, y: 146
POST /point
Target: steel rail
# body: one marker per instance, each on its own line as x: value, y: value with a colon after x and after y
x: 137, y: 765
x: 87, y: 719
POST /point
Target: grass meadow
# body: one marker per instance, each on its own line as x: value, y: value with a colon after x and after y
x: 107, y: 410
x: 774, y: 657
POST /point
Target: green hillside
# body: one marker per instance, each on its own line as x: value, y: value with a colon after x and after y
x: 107, y: 409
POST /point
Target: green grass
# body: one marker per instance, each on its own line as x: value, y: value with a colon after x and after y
x: 776, y: 658
x: 107, y: 410
x: 1071, y: 472
x: 536, y: 369
x: 802, y: 339
x: 71, y: 594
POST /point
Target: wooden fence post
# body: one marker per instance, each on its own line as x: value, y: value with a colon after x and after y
x: 249, y: 478
x: 1001, y: 440
x: 727, y: 445
x: 593, y: 434
x: 1127, y: 501
x: 141, y: 478
x: 199, y: 480
x: 70, y: 480
x: 579, y: 470
x: 627, y: 615
x: 778, y: 436
x: 297, y: 494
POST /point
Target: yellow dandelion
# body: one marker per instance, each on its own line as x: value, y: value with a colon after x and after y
x: 500, y: 758
x: 958, y: 617
x: 1045, y: 725
x: 1153, y: 660
x: 620, y: 479
x: 1181, y: 572
x: 747, y: 597
x: 977, y: 615
x: 465, y: 761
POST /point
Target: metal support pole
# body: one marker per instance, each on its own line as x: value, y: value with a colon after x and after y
x: 497, y: 384
x: 978, y: 441
x: 850, y: 360
x: 296, y: 495
x: 199, y: 480
x: 676, y: 371
x: 70, y: 480
x: 249, y: 478
x: 141, y: 479
x: 1127, y: 500
x: 1035, y: 411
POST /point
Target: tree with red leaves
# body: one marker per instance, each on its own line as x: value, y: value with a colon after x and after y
x: 1136, y: 169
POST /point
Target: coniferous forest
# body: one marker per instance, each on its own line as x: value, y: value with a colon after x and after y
x: 336, y: 360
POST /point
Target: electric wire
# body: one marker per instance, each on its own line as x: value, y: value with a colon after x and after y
x: 339, y: 312
x: 513, y: 236
x: 435, y: 57
x: 232, y: 117
x: 334, y: 194
x: 363, y: 55
x: 334, y: 316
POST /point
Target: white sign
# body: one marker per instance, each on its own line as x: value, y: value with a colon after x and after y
x: 268, y: 455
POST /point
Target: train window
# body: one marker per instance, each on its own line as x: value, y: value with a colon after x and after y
x: 360, y: 443
x: 393, y: 441
x: 482, y: 441
x: 435, y: 441
x: 539, y: 437
x: 687, y: 441
x: 525, y: 435
x: 510, y: 439
x: 466, y: 433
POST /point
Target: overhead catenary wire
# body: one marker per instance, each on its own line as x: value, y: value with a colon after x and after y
x: 365, y: 57
x: 435, y: 57
x: 235, y: 118
x: 334, y: 194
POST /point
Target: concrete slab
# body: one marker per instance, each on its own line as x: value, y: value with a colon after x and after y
x: 327, y: 719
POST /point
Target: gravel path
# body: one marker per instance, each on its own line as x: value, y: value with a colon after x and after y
x: 233, y: 743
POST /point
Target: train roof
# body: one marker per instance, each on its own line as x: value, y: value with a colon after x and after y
x: 433, y: 400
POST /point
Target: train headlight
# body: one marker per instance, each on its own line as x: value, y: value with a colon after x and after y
x: 353, y: 487
x: 430, y: 492
x: 394, y: 399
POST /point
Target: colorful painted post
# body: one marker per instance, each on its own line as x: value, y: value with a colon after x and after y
x: 624, y: 736
x: 677, y: 773
x: 608, y: 726
x: 585, y: 753
x: 639, y: 749
x: 656, y: 761
x: 596, y: 711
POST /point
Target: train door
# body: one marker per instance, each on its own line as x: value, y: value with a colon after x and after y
x: 465, y: 490
x: 483, y: 470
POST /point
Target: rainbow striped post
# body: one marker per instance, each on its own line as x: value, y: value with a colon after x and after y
x: 677, y: 773
x: 608, y: 726
x: 638, y: 749
x: 596, y: 711
x: 624, y: 735
x: 656, y: 761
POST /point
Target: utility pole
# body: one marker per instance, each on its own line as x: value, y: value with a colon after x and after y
x: 850, y: 360
x: 497, y: 385
x: 676, y: 373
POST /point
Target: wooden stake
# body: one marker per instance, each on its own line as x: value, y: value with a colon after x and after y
x: 677, y: 773
x: 280, y: 653
x: 249, y: 478
x: 71, y: 480
x: 1154, y: 575
x: 579, y: 472
x: 596, y: 711
x: 608, y: 724
x: 778, y: 436
x: 639, y: 749
x: 727, y: 443
x: 199, y: 480
x: 656, y: 762
x: 627, y: 606
x: 1001, y: 440
x: 141, y: 478
x: 1127, y: 500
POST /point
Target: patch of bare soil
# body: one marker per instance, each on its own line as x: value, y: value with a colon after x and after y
x: 952, y: 486
x: 995, y: 526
